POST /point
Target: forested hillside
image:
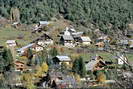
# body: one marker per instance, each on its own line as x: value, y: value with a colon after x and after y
x: 102, y: 13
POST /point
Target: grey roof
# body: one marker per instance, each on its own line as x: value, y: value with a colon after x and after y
x: 131, y: 46
x: 85, y: 39
x: 77, y: 33
x: 123, y: 41
x: 103, y: 37
x: 63, y: 58
x: 68, y: 37
x: 91, y: 64
x: 44, y: 22
x: 25, y: 47
x: 10, y: 41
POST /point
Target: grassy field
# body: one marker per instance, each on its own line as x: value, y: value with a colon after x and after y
x: 106, y: 56
x: 10, y: 33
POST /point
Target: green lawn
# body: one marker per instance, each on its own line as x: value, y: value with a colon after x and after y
x: 105, y: 55
x: 10, y: 33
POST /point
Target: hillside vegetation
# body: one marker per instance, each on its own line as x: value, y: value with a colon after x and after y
x: 102, y: 13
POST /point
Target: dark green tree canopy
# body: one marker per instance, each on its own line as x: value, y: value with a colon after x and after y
x: 100, y: 12
x: 79, y: 67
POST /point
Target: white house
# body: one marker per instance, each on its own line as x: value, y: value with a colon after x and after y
x: 44, y: 40
x: 62, y: 59
x: 121, y: 59
x: 37, y: 48
x: 11, y: 43
x: 85, y: 40
x: 131, y: 44
x: 67, y: 32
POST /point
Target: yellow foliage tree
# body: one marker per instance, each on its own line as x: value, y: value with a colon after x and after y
x: 77, y: 77
x: 44, y: 67
x: 101, y: 77
x: 41, y: 70
x: 15, y: 15
x: 75, y: 55
x: 27, y: 80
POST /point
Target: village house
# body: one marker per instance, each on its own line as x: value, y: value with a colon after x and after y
x: 102, y: 42
x: 131, y: 44
x: 129, y: 33
x: 44, y: 40
x: 121, y: 59
x: 123, y: 42
x: 71, y: 31
x: 60, y: 80
x: 100, y: 45
x: 19, y: 66
x: 95, y: 63
x: 103, y: 38
x: 62, y: 59
x: 67, y: 41
x: 37, y: 48
x: 11, y: 43
x: 127, y: 42
x: 16, y: 24
x: 41, y: 25
x: 22, y: 50
x: 85, y: 40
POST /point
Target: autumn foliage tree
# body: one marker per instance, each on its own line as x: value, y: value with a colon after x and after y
x: 15, y: 15
x: 41, y: 70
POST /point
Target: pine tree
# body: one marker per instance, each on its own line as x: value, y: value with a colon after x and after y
x: 82, y: 67
x: 6, y: 59
x: 29, y: 56
x: 53, y: 52
x: 79, y: 67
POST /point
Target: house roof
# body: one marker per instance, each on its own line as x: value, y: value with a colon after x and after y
x: 44, y: 22
x: 19, y: 62
x: 70, y: 29
x: 25, y: 47
x: 42, y: 37
x: 131, y: 40
x: 63, y: 58
x: 91, y: 64
x: 103, y: 37
x: 131, y: 46
x: 10, y: 41
x: 85, y: 38
x: 77, y: 34
x: 123, y: 41
x: 95, y: 59
x: 67, y: 37
x: 15, y: 23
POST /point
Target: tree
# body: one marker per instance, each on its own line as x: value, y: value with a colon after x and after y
x: 43, y: 69
x: 82, y: 67
x: 53, y: 52
x: 7, y: 59
x: 79, y: 67
x: 15, y: 15
x: 27, y: 79
x: 29, y: 56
